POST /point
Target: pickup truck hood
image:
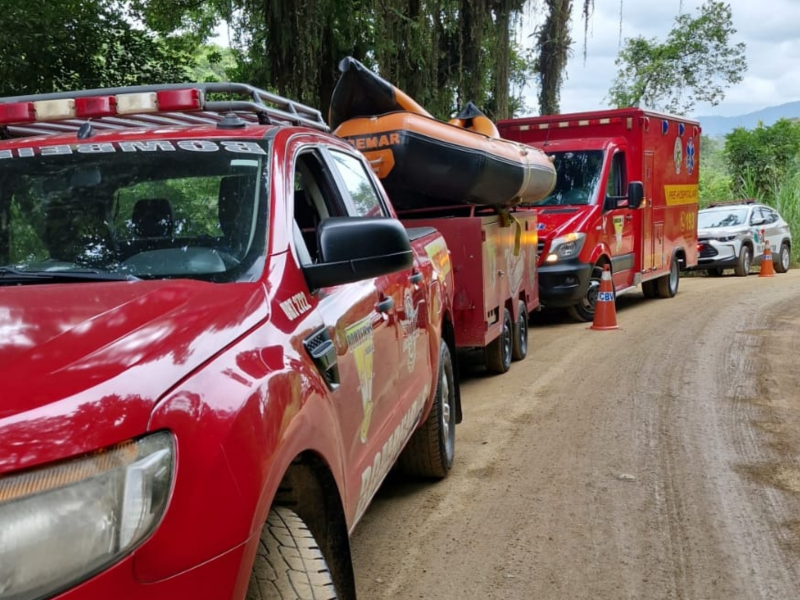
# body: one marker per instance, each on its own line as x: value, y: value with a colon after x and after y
x: 84, y: 356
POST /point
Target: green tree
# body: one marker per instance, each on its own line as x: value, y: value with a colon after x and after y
x: 761, y: 158
x: 55, y: 45
x: 697, y: 63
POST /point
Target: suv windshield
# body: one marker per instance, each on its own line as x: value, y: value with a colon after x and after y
x: 578, y: 174
x: 710, y: 219
x: 146, y: 209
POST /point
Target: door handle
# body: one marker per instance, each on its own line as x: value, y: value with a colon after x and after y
x: 416, y: 277
x: 385, y: 305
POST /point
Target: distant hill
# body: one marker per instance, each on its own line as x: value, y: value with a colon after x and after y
x: 719, y: 126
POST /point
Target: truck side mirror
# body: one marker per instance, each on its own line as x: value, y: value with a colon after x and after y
x: 635, y: 194
x: 356, y: 248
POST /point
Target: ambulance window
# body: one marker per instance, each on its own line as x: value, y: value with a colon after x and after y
x: 615, y: 186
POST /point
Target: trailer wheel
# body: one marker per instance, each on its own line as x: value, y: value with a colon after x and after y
x: 498, y: 352
x: 584, y: 310
x: 431, y: 449
x: 520, y: 348
x: 668, y: 284
x: 289, y: 563
x: 742, y: 268
x: 784, y: 257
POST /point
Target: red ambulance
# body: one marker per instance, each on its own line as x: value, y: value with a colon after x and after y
x: 626, y: 196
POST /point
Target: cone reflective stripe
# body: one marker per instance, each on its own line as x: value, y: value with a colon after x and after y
x: 605, y: 310
x: 767, y: 268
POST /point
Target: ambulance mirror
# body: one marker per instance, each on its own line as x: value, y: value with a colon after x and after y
x: 635, y: 194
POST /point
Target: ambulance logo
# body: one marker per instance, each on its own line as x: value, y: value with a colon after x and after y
x: 690, y: 156
x: 678, y: 155
x: 362, y: 345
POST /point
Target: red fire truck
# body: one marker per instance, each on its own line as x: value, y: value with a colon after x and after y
x: 626, y: 195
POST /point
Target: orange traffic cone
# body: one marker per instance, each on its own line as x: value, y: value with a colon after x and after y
x: 605, y: 310
x: 767, y: 268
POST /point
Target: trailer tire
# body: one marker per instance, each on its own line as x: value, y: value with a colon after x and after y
x: 784, y: 258
x: 742, y: 268
x: 498, y: 352
x: 431, y: 450
x: 520, y: 348
x: 668, y: 284
x: 289, y: 562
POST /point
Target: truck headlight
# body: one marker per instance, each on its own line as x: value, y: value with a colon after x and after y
x: 565, y: 246
x: 62, y: 523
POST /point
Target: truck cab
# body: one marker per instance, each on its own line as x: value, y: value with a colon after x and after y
x: 218, y: 340
x: 625, y: 196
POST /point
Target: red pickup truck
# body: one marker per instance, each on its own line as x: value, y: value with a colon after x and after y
x: 217, y: 340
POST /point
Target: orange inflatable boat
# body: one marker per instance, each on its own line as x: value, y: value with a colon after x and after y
x: 424, y: 162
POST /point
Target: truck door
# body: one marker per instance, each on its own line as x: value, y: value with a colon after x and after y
x: 358, y: 317
x: 648, y: 248
x: 618, y: 224
x: 402, y: 361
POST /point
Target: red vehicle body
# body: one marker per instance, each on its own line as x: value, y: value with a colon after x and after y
x: 494, y: 266
x: 237, y: 350
x: 626, y: 195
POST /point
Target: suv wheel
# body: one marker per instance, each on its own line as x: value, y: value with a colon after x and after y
x: 745, y: 261
x: 784, y: 256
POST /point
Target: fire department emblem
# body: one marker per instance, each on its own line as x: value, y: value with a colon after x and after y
x: 362, y: 345
x: 410, y: 330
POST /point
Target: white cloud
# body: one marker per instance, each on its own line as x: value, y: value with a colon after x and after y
x: 769, y: 28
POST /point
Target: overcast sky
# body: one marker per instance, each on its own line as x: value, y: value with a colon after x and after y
x: 769, y: 28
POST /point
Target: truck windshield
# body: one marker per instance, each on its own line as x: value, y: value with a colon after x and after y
x: 577, y: 177
x: 137, y: 209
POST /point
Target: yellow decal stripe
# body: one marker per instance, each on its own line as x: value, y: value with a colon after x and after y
x: 678, y: 195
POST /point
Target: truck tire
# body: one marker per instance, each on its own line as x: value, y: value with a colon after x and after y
x: 742, y: 268
x: 584, y: 310
x: 289, y: 564
x: 520, y: 347
x: 431, y: 449
x: 784, y: 257
x: 498, y: 352
x: 668, y: 284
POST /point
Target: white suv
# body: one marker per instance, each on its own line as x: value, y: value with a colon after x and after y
x: 734, y: 235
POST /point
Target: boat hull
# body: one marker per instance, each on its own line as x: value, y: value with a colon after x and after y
x: 426, y: 163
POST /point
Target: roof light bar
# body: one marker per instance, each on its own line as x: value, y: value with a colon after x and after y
x: 18, y: 112
x: 99, y: 106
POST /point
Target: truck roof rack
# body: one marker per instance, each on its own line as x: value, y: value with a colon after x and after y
x: 732, y: 202
x: 162, y: 105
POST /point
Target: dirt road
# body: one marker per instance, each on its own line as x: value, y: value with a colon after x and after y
x: 659, y: 461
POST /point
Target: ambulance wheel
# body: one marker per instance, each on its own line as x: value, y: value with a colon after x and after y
x: 289, y: 562
x: 668, y: 284
x: 715, y: 272
x: 520, y: 349
x: 784, y: 257
x: 584, y: 310
x: 742, y: 268
x: 431, y: 449
x: 498, y: 352
x: 650, y: 288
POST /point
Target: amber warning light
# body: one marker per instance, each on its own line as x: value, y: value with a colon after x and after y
x: 101, y: 106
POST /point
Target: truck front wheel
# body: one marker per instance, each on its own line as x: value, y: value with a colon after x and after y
x: 431, y: 450
x: 289, y: 563
x: 583, y: 311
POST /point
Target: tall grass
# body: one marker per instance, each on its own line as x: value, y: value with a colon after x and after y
x: 786, y: 200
